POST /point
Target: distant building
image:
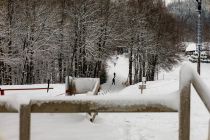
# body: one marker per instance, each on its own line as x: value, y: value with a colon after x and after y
x: 190, y: 48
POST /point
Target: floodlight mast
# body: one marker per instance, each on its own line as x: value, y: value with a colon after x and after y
x: 199, y: 38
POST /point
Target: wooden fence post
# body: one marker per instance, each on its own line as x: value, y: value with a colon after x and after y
x: 184, y: 113
x: 25, y: 120
x: 209, y: 131
x: 1, y: 92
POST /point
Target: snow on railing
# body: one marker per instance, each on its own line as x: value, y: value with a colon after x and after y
x: 6, y: 105
x: 164, y: 103
x: 187, y: 76
x: 107, y: 103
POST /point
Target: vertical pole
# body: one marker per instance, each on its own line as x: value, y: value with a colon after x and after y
x: 142, y: 87
x: 67, y: 84
x: 199, y: 44
x: 130, y: 65
x: 209, y: 131
x: 157, y: 72
x: 25, y: 120
x: 199, y: 39
x: 48, y: 85
x: 184, y: 113
x: 1, y: 92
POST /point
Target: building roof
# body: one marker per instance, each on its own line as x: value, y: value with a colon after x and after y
x: 190, y: 46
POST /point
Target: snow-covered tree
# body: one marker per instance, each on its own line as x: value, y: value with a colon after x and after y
x: 41, y: 39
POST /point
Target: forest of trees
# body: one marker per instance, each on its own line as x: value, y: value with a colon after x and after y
x: 187, y: 14
x: 50, y: 39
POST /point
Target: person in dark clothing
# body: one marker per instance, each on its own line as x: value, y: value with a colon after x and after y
x: 114, y: 74
x: 113, y: 81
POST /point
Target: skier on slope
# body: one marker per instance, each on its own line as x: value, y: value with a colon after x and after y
x: 113, y: 81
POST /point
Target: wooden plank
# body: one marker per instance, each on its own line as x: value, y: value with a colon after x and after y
x: 202, y: 90
x: 25, y: 120
x: 209, y: 131
x: 11, y: 89
x: 91, y: 106
x: 184, y: 113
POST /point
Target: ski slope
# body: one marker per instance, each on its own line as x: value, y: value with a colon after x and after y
x: 112, y: 126
x: 119, y: 65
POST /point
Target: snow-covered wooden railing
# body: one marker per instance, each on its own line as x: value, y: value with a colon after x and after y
x: 6, y: 106
x: 189, y: 76
x: 84, y: 85
x: 2, y: 91
x: 165, y: 103
x: 105, y: 104
x: 93, y: 104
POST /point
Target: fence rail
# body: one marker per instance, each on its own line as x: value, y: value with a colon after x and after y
x: 2, y: 91
x: 79, y: 106
x: 187, y: 77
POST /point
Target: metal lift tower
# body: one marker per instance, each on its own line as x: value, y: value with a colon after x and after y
x: 199, y: 36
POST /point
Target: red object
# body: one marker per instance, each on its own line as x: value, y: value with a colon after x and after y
x: 2, y: 90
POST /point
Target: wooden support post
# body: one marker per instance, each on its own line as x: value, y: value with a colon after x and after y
x: 209, y: 131
x: 1, y: 92
x: 25, y: 120
x: 48, y: 85
x: 184, y: 113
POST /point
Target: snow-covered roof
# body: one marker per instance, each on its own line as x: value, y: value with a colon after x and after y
x: 190, y: 46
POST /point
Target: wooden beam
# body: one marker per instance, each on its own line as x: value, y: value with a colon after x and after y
x: 209, y: 131
x: 25, y: 121
x: 184, y: 113
x: 11, y: 89
x: 5, y: 109
x: 91, y: 106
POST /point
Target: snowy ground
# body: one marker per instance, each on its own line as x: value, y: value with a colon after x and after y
x: 113, y: 126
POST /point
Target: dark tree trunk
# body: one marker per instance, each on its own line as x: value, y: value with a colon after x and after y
x: 136, y: 69
x: 152, y: 67
x: 130, y: 66
x: 95, y: 70
x: 84, y: 63
x: 61, y: 40
x: 154, y: 64
x: 8, y: 69
x: 144, y: 65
